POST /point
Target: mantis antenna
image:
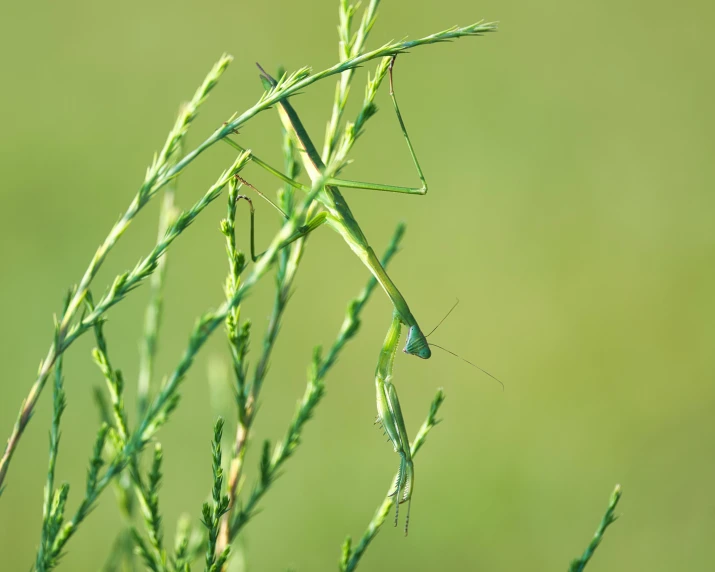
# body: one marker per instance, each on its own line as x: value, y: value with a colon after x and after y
x: 443, y: 319
x: 456, y: 355
x: 484, y: 371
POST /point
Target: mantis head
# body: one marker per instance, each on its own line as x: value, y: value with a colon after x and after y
x: 416, y: 344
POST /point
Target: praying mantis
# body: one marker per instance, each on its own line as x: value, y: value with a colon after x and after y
x: 338, y: 216
x: 337, y: 213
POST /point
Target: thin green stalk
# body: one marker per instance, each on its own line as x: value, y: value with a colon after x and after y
x: 214, y: 511
x: 238, y: 336
x: 122, y: 550
x: 113, y: 377
x: 608, y: 519
x: 152, y: 316
x: 148, y: 497
x: 238, y: 341
x: 94, y: 484
x: 120, y: 554
x: 52, y: 510
x: 54, y: 500
x: 353, y: 130
x: 349, y: 46
x: 184, y: 553
x: 350, y: 557
x: 143, y: 550
x: 286, y: 195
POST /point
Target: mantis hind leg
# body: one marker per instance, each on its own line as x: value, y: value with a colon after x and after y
x: 403, y: 128
x: 391, y: 188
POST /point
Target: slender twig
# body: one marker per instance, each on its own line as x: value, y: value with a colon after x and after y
x: 238, y: 340
x: 609, y: 518
x: 152, y: 316
x: 113, y: 378
x: 214, y: 510
x: 148, y: 497
x: 121, y: 553
x: 349, y: 46
x: 247, y: 396
x: 184, y: 552
x: 53, y: 554
x: 52, y: 509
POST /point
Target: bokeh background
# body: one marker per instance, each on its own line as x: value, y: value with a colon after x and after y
x: 570, y: 158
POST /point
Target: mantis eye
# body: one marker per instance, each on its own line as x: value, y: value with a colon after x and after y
x: 425, y: 353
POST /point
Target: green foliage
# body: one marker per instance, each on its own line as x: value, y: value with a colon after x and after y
x: 53, y: 507
x: 117, y: 457
x: 213, y: 510
x: 608, y: 519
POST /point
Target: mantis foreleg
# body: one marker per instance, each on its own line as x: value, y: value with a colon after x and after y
x: 391, y: 188
x: 389, y: 414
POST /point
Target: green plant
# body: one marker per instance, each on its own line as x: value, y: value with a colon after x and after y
x: 578, y: 564
x: 116, y: 458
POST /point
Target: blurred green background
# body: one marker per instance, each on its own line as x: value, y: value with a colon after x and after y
x: 570, y: 162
